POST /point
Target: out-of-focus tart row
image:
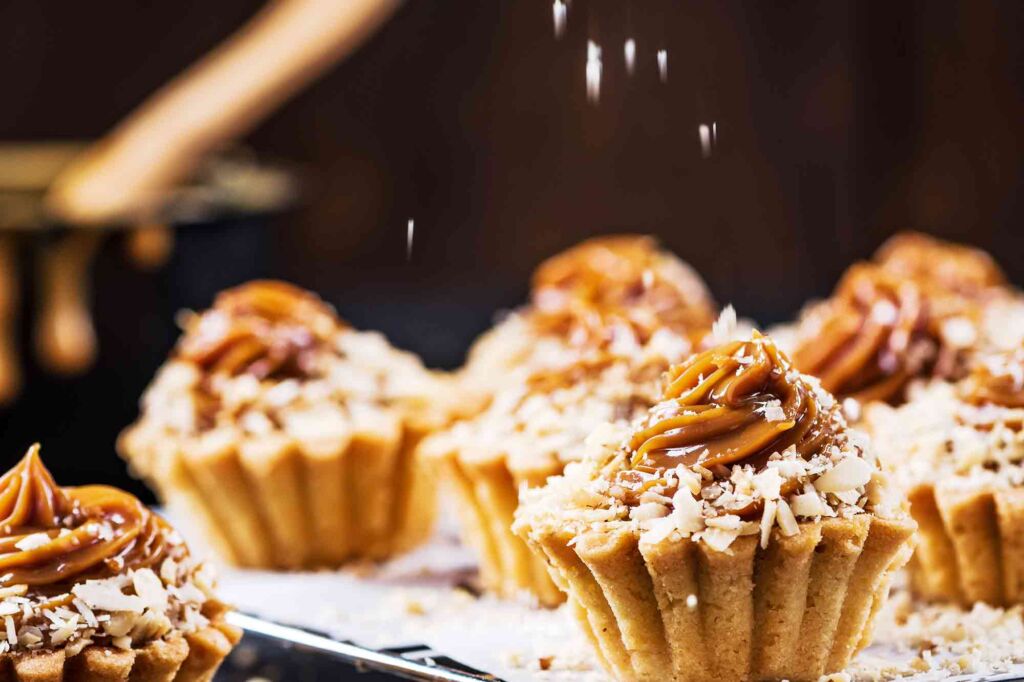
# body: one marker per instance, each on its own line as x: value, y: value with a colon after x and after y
x: 289, y: 436
x: 93, y: 586
x: 928, y: 338
x: 713, y: 505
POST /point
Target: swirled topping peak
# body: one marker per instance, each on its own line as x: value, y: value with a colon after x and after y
x: 997, y: 379
x: 870, y: 339
x: 265, y: 328
x: 738, y: 403
x: 911, y: 312
x: 955, y: 267
x: 582, y: 293
x: 50, y: 535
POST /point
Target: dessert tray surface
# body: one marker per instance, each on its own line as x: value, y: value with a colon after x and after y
x: 419, y: 617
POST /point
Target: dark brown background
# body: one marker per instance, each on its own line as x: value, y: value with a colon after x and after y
x: 838, y: 123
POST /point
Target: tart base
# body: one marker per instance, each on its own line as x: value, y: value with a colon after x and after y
x: 680, y: 610
x: 194, y: 657
x: 290, y: 503
x: 971, y: 544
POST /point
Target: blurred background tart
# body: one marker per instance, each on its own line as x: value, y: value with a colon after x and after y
x: 288, y: 435
x: 606, y: 318
x: 614, y: 290
x: 958, y: 451
x: 918, y: 309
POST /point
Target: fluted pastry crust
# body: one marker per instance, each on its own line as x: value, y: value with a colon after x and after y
x: 796, y: 610
x: 194, y: 657
x: 289, y: 437
x: 487, y: 493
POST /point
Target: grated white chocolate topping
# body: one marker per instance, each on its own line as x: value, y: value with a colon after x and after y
x: 938, y: 437
x: 357, y: 380
x: 123, y: 611
x: 542, y: 418
x: 717, y: 503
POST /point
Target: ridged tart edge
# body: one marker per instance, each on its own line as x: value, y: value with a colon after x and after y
x: 284, y: 503
x: 192, y: 657
x: 971, y: 543
x: 680, y: 610
x: 486, y: 492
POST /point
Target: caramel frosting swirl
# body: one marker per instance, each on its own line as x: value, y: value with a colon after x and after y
x: 953, y: 267
x: 885, y: 323
x: 265, y: 328
x: 735, y: 404
x: 996, y: 379
x: 583, y: 293
x: 52, y: 535
x: 870, y: 339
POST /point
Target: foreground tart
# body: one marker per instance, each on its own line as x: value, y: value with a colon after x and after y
x: 919, y: 308
x: 289, y: 436
x: 617, y: 289
x: 740, y: 531
x: 606, y: 319
x: 93, y: 586
x: 958, y: 450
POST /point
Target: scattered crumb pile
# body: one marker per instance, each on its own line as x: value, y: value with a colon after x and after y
x: 934, y: 642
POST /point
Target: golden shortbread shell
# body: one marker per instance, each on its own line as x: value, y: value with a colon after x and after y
x: 971, y: 544
x: 679, y: 610
x: 282, y: 502
x: 486, y: 492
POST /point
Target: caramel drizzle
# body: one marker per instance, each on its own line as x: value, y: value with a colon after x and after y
x: 882, y: 326
x: 583, y: 293
x: 93, y: 531
x: 864, y: 346
x: 266, y: 329
x: 713, y: 411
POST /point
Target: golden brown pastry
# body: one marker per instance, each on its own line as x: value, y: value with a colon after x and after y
x: 606, y: 318
x: 94, y: 586
x: 288, y: 435
x: 958, y: 451
x: 741, y: 531
x: 917, y: 310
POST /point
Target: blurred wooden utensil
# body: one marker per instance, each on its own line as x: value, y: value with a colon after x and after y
x: 137, y: 174
x: 65, y: 339
x: 10, y: 368
x: 288, y: 44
